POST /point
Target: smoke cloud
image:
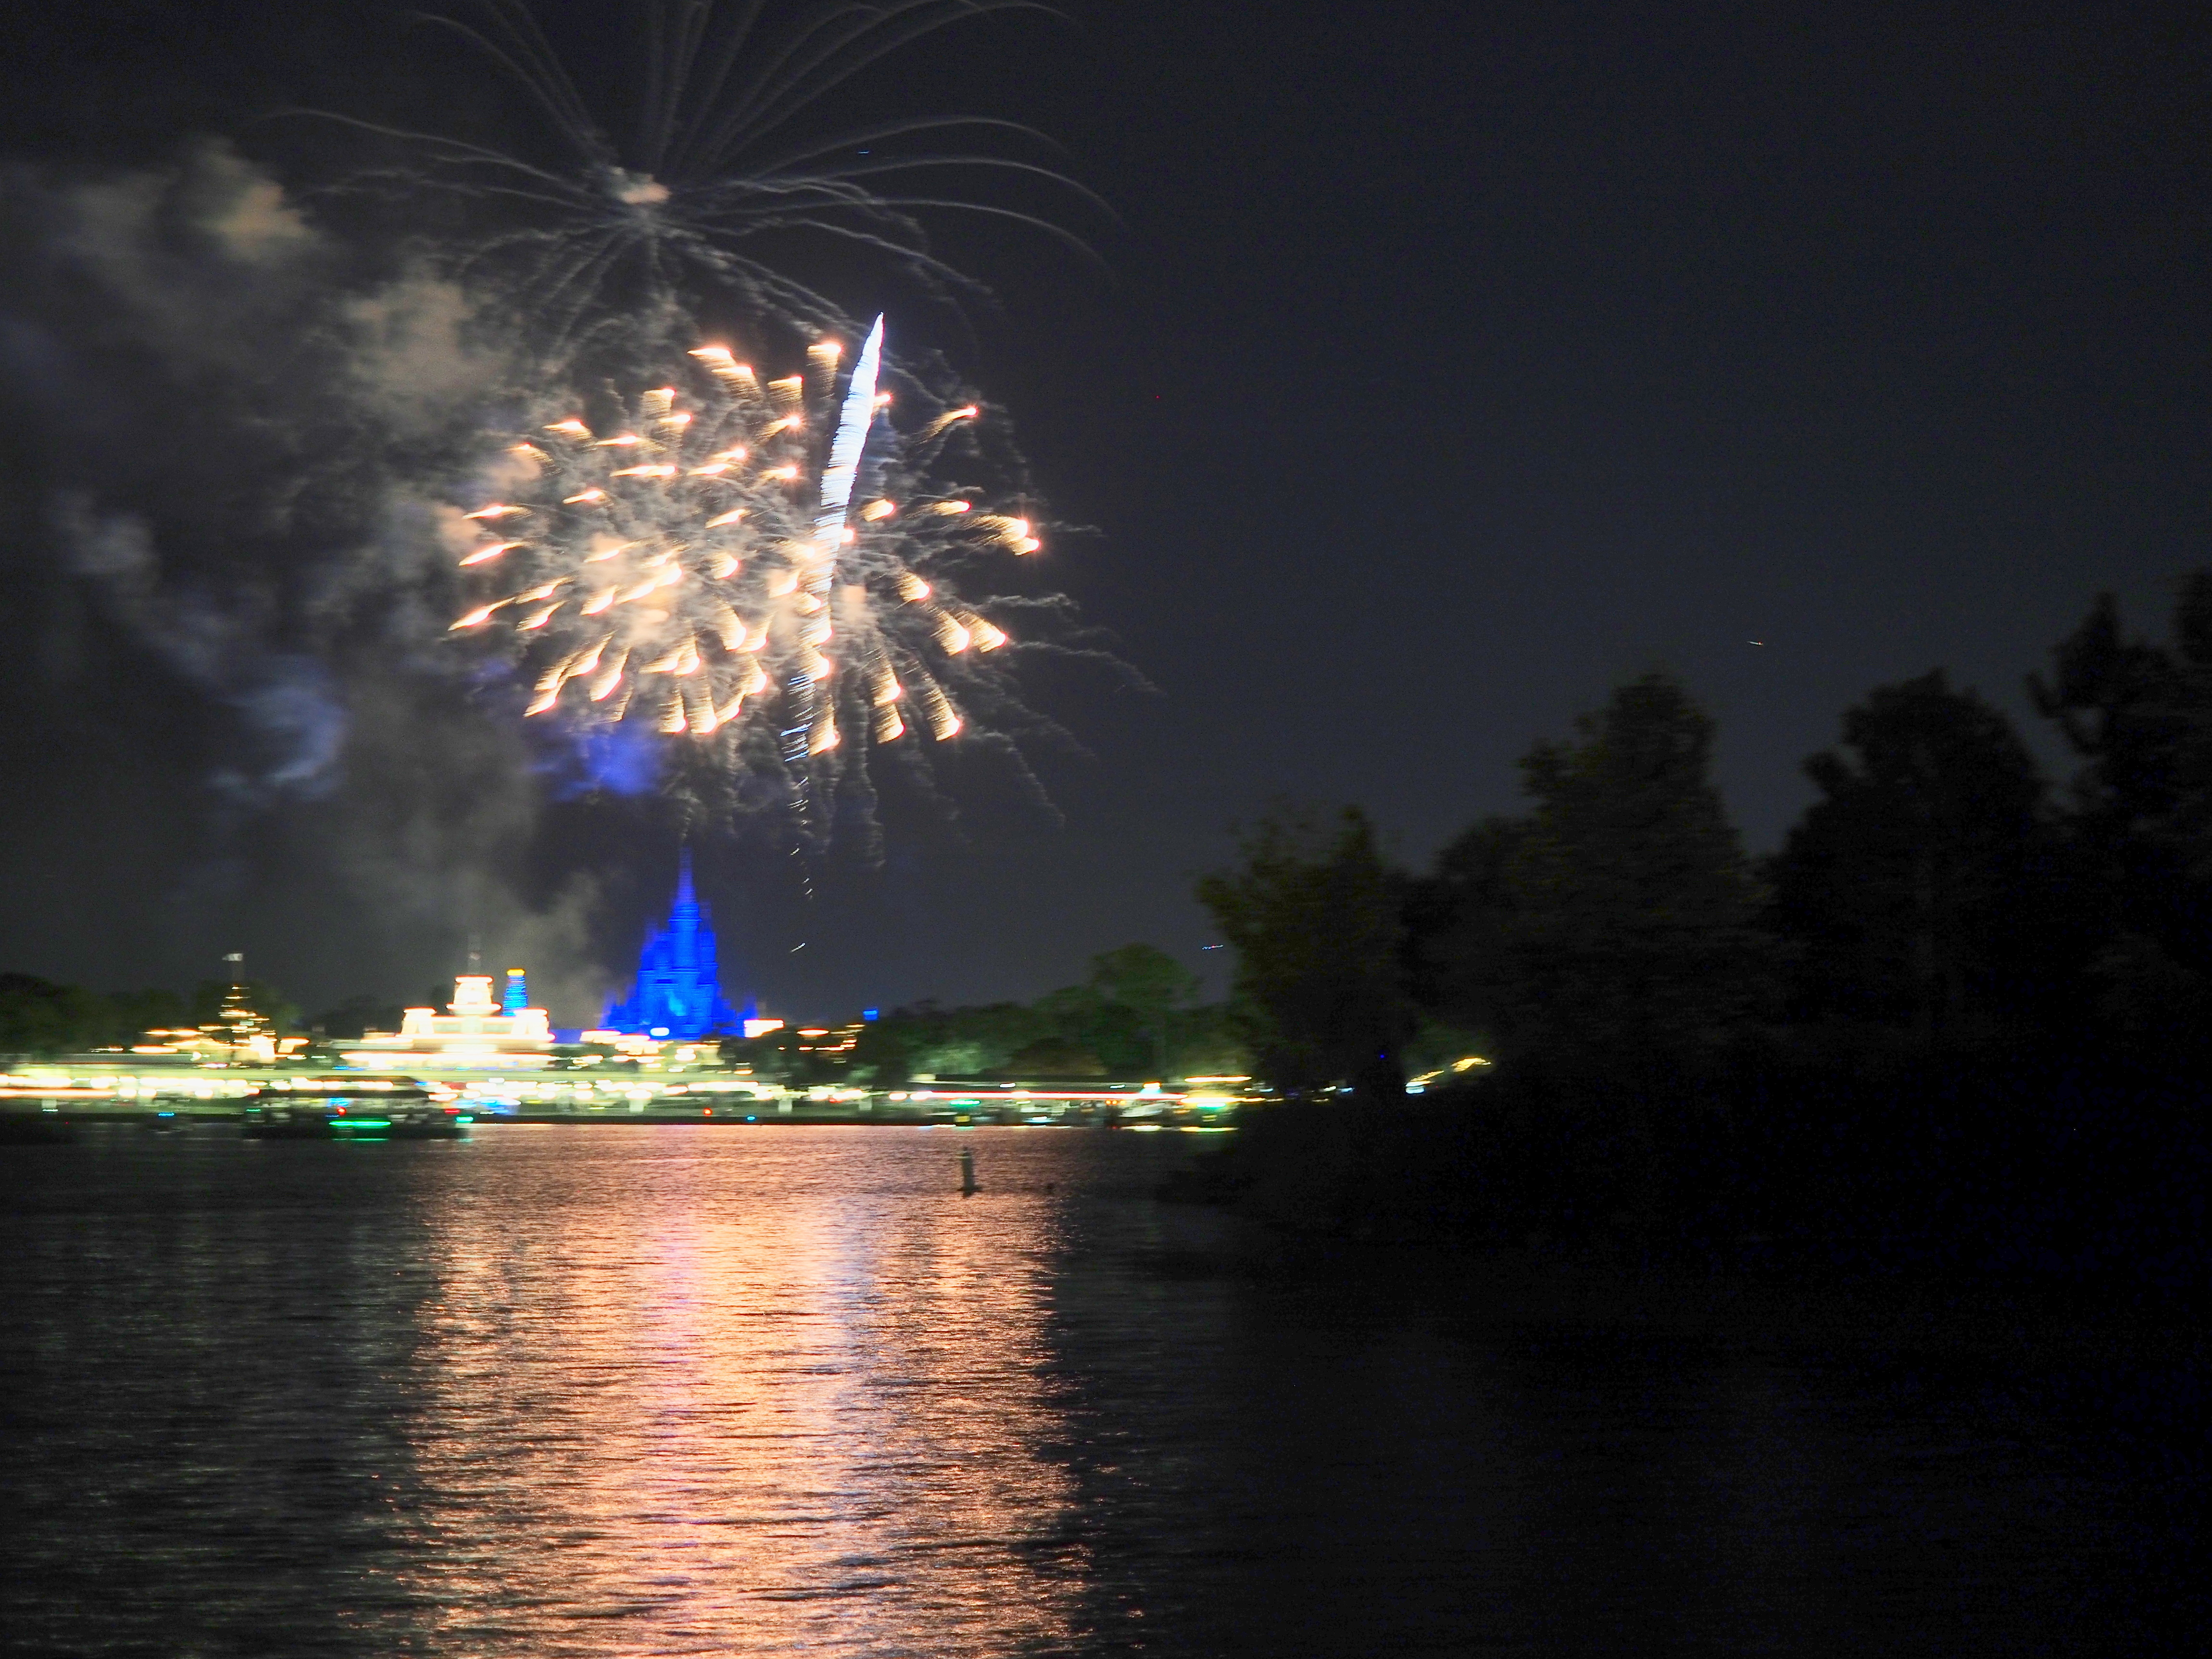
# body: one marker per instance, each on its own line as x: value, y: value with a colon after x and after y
x: 235, y: 426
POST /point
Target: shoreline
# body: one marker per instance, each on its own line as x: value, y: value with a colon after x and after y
x: 185, y: 1116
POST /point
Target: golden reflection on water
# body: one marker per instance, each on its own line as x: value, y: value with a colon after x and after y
x: 704, y: 1400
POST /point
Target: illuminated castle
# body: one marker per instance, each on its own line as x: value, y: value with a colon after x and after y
x: 679, y: 990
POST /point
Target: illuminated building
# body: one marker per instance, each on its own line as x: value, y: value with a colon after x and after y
x: 833, y: 1044
x: 474, y: 1031
x: 239, y: 1035
x: 679, y: 992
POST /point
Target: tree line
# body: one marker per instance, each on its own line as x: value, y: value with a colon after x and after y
x: 1952, y: 977
x: 1136, y: 1016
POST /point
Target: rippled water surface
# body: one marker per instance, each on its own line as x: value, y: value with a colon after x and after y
x: 617, y: 1390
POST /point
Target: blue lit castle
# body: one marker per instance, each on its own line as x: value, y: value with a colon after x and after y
x: 679, y: 991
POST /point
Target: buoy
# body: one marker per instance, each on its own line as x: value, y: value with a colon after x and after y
x: 967, y: 1172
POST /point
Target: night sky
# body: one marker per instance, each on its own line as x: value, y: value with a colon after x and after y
x: 1444, y: 365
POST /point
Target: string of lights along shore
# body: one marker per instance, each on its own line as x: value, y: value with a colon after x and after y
x: 692, y: 563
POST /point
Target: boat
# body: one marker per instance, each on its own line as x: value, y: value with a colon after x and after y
x: 354, y: 1106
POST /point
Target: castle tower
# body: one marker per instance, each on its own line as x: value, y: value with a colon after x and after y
x: 679, y: 990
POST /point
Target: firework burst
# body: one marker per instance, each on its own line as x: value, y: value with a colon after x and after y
x: 708, y: 565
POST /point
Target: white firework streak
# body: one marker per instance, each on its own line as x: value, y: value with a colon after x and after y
x: 814, y: 728
x: 682, y: 565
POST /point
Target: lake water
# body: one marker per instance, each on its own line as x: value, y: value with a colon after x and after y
x: 615, y: 1390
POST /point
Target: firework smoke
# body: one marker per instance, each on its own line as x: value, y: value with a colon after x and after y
x: 225, y: 607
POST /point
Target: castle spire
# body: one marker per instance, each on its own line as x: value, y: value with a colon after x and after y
x: 677, y: 991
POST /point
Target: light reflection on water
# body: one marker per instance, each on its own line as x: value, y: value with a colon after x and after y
x: 749, y: 1408
x: 617, y: 1390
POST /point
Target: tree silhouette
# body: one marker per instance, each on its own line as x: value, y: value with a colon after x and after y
x: 1150, y: 984
x: 2139, y: 715
x: 1629, y: 936
x: 1314, y: 916
x: 1456, y: 921
x: 1918, y: 891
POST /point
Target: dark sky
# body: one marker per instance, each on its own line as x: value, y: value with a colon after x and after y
x: 1449, y: 363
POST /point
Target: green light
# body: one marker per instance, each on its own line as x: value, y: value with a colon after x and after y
x: 361, y: 1123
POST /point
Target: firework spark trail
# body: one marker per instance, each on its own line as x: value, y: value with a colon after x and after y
x: 605, y: 236
x: 676, y: 568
